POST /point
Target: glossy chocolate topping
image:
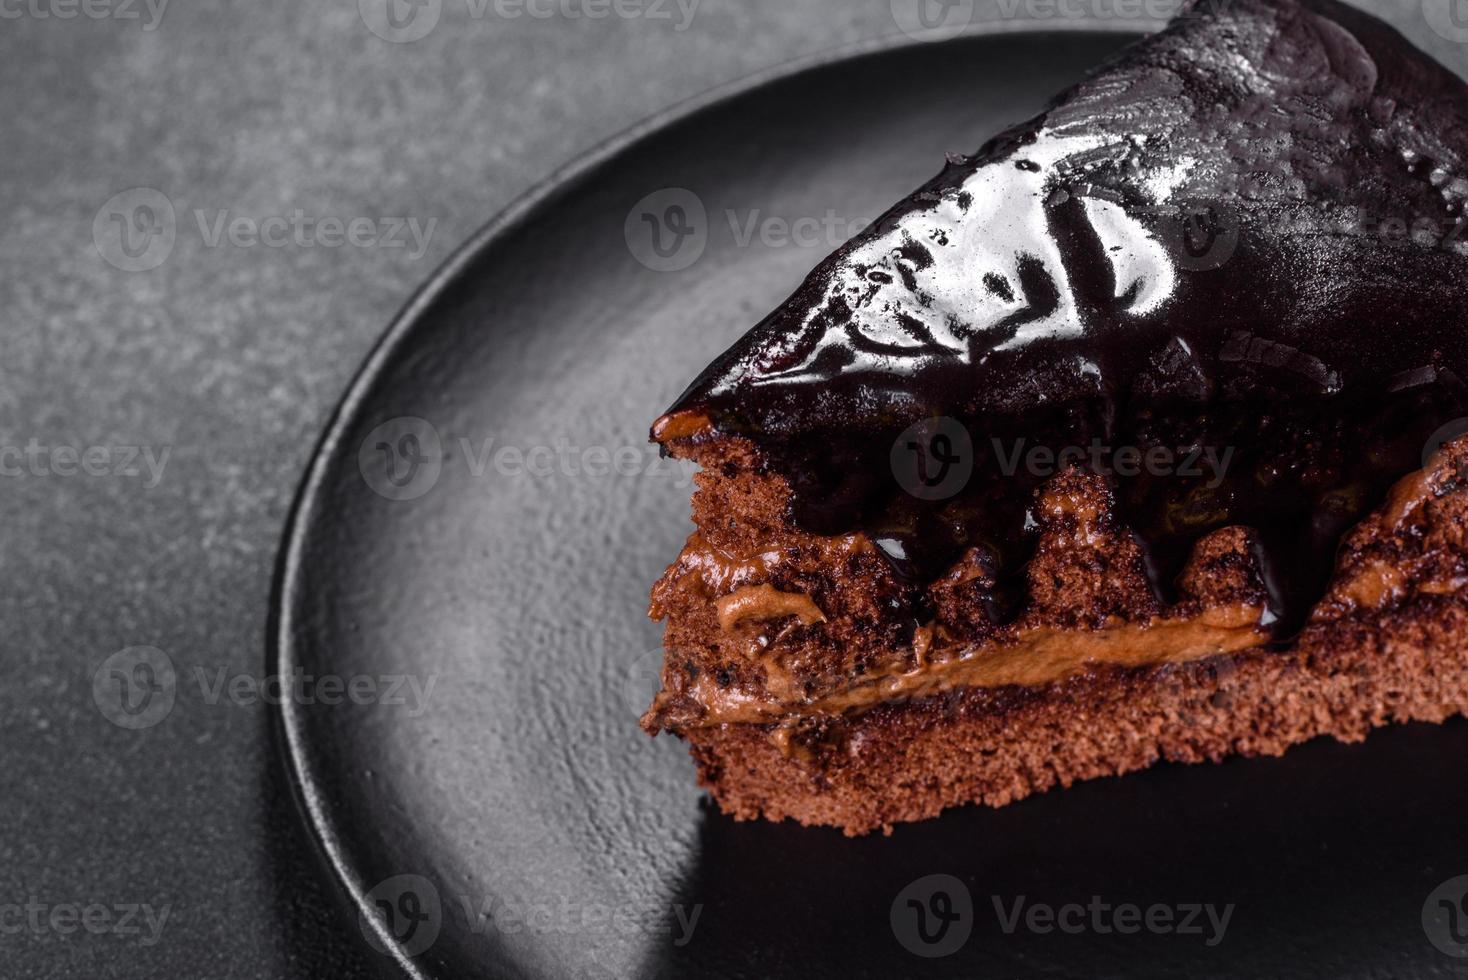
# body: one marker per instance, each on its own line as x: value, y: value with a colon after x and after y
x: 1245, y: 236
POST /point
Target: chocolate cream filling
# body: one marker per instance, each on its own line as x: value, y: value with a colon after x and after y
x: 941, y: 662
x: 1029, y: 658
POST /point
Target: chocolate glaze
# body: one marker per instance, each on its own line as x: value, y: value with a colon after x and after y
x: 1246, y: 233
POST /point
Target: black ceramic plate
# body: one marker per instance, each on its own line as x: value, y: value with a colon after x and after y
x: 471, y: 555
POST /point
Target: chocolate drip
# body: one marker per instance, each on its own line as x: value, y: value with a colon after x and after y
x: 1299, y: 474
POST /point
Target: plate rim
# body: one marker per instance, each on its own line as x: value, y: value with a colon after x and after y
x: 287, y: 589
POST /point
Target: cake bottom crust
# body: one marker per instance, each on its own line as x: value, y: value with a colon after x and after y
x: 909, y: 761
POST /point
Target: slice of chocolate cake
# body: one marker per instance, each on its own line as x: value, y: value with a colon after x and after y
x: 1113, y: 443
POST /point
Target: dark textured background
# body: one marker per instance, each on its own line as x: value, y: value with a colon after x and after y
x: 232, y: 357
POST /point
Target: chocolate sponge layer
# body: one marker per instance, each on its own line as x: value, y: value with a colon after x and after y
x: 908, y: 762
